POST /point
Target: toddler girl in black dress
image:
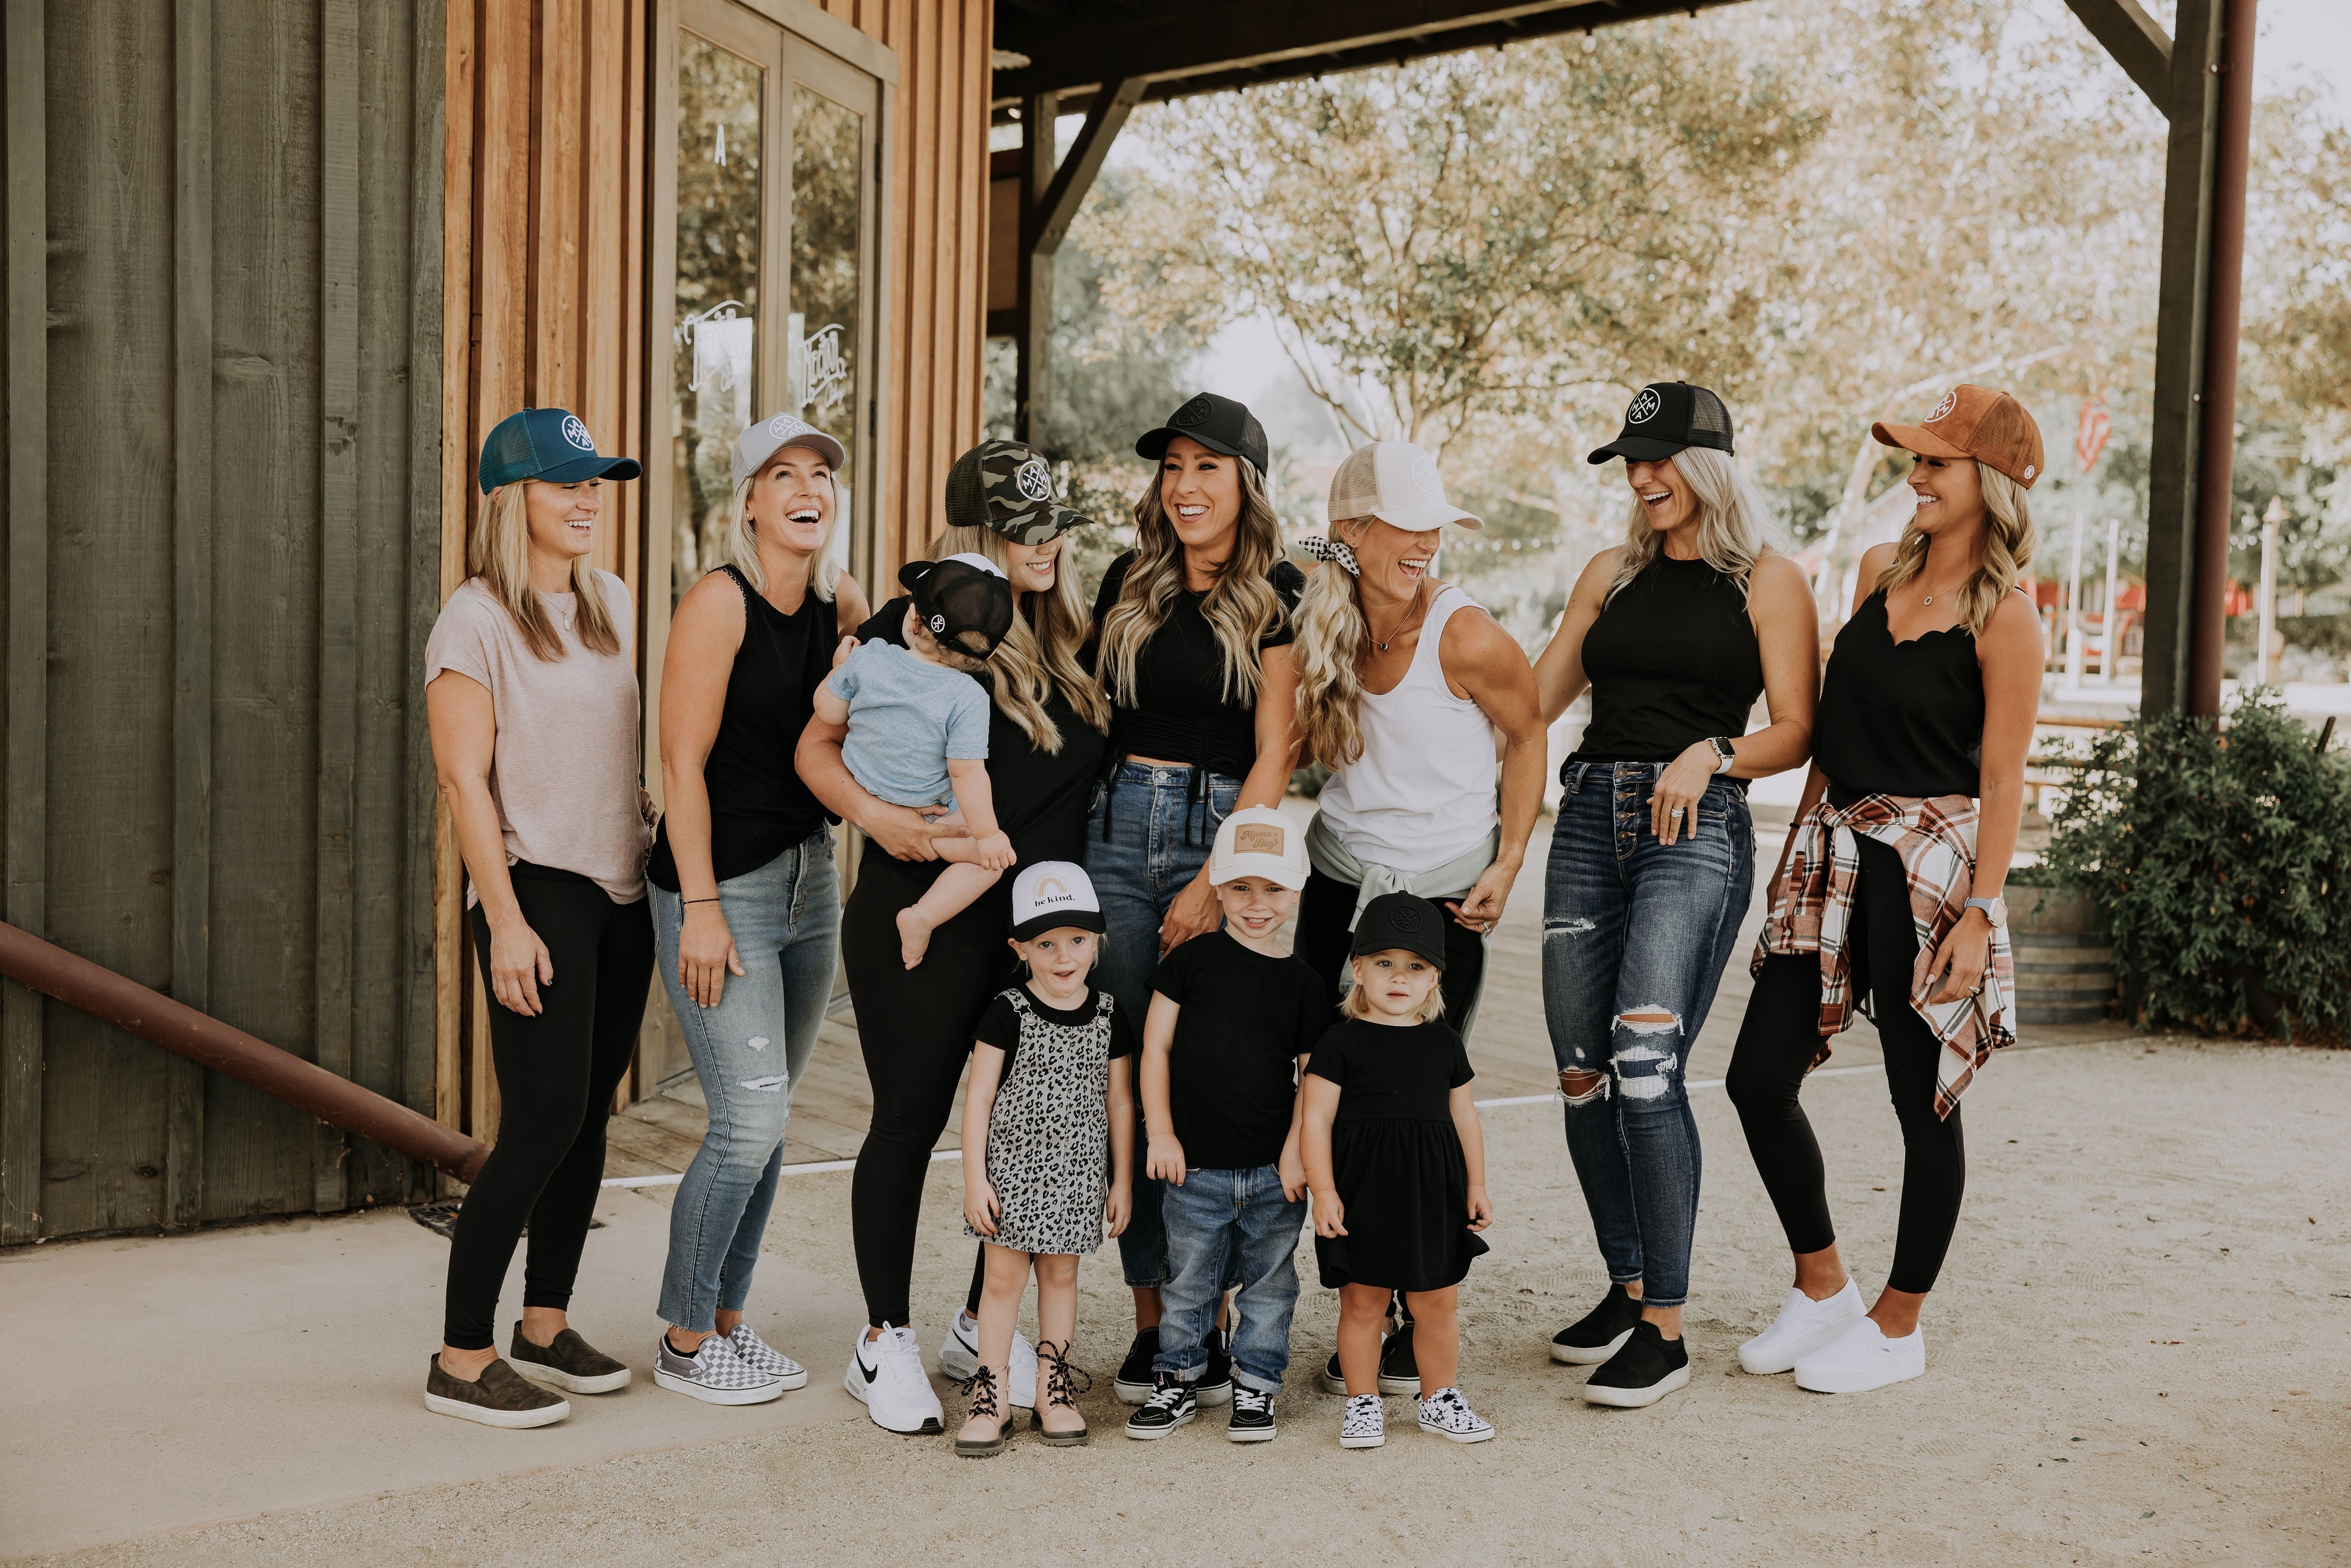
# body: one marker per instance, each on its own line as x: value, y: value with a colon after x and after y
x: 1396, y: 1165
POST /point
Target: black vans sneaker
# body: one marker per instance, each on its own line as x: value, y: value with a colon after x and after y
x: 1215, y: 1385
x: 1252, y: 1415
x: 1134, y: 1380
x: 1399, y: 1374
x: 1170, y: 1405
x: 1600, y: 1333
x: 1649, y: 1368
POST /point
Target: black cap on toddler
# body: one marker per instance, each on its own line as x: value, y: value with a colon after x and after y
x: 1401, y: 920
x: 963, y: 600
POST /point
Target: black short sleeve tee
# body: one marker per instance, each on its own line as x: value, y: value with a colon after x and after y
x: 1000, y: 1026
x: 1182, y: 712
x: 1245, y: 1020
x: 1387, y: 1073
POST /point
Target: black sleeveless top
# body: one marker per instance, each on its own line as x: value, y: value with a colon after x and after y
x: 1181, y: 713
x: 759, y: 807
x: 1899, y: 719
x: 1672, y: 660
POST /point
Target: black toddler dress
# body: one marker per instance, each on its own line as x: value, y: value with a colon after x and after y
x: 1395, y: 1157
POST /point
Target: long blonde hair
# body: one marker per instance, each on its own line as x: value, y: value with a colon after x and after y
x: 1240, y: 605
x: 2008, y: 543
x: 743, y: 541
x: 500, y: 556
x: 1332, y: 633
x: 1041, y: 653
x: 1730, y: 529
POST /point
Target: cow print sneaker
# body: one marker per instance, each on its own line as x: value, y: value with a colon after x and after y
x: 1447, y: 1414
x: 1365, y: 1424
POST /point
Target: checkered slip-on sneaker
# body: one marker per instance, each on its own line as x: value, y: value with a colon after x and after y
x: 569, y: 1363
x: 767, y: 1357
x: 714, y: 1373
x: 1365, y: 1424
x: 1447, y: 1414
x: 501, y: 1396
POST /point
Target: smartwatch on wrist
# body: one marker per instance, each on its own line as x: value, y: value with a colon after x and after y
x: 1995, y: 909
x: 1723, y: 755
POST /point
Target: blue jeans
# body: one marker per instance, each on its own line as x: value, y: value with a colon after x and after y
x: 749, y: 1052
x: 1228, y: 1227
x: 1635, y: 935
x: 1145, y: 841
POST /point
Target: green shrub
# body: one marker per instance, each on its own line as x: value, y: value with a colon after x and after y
x: 2220, y: 859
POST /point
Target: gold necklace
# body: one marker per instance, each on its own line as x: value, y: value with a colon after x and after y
x: 1418, y: 588
x: 1930, y: 598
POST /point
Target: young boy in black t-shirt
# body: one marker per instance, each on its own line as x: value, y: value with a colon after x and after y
x: 1233, y: 1016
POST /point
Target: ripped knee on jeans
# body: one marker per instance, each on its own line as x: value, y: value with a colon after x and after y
x: 1581, y: 1085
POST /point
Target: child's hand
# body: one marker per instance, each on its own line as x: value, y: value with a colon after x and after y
x: 1293, y: 1172
x: 981, y: 1206
x: 1119, y: 1209
x: 1481, y: 1208
x: 1328, y: 1214
x: 1163, y: 1159
x: 994, y: 850
x: 842, y: 651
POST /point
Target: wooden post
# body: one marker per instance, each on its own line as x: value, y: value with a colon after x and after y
x: 1032, y: 311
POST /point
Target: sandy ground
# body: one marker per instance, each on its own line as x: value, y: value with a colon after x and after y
x: 2141, y: 1351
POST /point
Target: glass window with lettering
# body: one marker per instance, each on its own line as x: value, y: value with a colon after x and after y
x: 827, y: 147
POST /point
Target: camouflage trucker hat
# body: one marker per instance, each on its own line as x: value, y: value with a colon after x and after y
x: 1007, y: 486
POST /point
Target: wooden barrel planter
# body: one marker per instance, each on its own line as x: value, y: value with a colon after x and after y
x: 2064, y: 968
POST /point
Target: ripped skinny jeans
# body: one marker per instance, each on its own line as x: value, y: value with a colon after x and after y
x: 1635, y: 935
x: 749, y: 1052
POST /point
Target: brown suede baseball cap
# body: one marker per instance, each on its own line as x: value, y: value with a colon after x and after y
x: 1990, y: 426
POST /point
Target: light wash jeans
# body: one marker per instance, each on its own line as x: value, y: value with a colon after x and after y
x: 1145, y: 841
x: 749, y: 1052
x: 1223, y: 1227
x: 1635, y: 927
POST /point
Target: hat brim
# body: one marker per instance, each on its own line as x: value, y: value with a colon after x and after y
x: 1912, y: 438
x: 833, y: 452
x: 1639, y: 449
x: 1427, y: 515
x: 1049, y: 521
x: 1433, y: 953
x: 1038, y: 925
x: 1152, y: 443
x: 581, y: 468
x: 1267, y: 867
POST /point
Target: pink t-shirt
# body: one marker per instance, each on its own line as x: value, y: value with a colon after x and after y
x: 564, y: 770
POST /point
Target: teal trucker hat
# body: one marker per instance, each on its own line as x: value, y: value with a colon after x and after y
x: 550, y: 444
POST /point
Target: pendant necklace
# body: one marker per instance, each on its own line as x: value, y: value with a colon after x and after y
x: 1399, y: 631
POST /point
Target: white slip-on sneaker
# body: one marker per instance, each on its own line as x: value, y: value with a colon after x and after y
x: 1365, y: 1424
x: 959, y: 1358
x: 1863, y: 1358
x: 767, y: 1357
x: 1447, y: 1414
x: 1804, y: 1327
x: 886, y: 1373
x: 714, y: 1373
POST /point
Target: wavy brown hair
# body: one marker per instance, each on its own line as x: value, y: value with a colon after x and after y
x: 2008, y: 544
x: 1039, y: 655
x: 500, y: 556
x: 1241, y: 606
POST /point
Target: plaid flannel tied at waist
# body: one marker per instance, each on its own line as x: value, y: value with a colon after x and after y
x: 1812, y: 910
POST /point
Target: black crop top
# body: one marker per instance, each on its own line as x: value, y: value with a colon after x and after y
x: 1182, y: 714
x: 1900, y: 719
x: 1672, y: 660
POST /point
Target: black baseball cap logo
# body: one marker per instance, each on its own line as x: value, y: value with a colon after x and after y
x: 1196, y: 411
x: 1403, y: 917
x: 1643, y: 408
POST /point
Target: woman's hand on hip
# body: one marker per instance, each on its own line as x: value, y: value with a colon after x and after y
x: 1960, y: 959
x: 1195, y: 913
x: 903, y: 832
x: 520, y: 965
x: 1673, y: 805
x: 705, y: 954
x: 1481, y: 909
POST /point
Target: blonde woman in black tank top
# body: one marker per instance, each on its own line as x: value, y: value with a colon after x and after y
x: 1918, y: 785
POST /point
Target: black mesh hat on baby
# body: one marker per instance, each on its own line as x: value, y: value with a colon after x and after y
x: 1665, y: 417
x: 1401, y: 920
x: 964, y: 600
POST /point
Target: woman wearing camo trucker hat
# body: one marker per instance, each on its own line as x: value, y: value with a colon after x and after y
x: 746, y: 903
x: 1044, y: 752
x: 530, y: 689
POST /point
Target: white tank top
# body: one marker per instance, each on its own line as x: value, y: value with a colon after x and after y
x: 1424, y: 792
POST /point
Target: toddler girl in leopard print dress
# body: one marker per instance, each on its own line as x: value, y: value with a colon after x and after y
x: 1047, y: 1128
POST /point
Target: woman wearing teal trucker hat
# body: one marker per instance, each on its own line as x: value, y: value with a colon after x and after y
x: 530, y: 688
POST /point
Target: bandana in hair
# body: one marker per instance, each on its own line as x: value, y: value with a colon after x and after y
x: 1332, y: 550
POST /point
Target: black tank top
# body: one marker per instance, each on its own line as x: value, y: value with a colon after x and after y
x: 1899, y: 719
x: 1672, y: 660
x: 759, y: 807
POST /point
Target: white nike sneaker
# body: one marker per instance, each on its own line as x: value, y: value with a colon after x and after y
x: 887, y: 1375
x: 1804, y: 1327
x: 1863, y: 1358
x: 959, y: 1358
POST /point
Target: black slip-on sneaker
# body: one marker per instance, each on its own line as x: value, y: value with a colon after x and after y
x: 1135, y: 1380
x: 501, y: 1396
x: 569, y: 1363
x: 1170, y: 1405
x: 1600, y: 1333
x: 1399, y: 1374
x: 1649, y: 1368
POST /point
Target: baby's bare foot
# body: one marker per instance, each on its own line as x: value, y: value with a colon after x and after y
x: 914, y: 935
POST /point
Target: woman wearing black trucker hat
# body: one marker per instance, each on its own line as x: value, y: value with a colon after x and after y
x: 1044, y: 753
x: 1675, y: 632
x: 530, y: 689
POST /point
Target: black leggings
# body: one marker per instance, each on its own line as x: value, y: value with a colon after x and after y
x: 1325, y: 910
x: 556, y: 1077
x: 1777, y: 1042
x: 915, y: 1030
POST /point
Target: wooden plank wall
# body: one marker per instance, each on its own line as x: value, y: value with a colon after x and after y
x: 213, y: 585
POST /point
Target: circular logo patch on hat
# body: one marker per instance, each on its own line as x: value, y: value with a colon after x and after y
x: 1405, y: 918
x: 1196, y: 411
x: 2028, y: 471
x: 577, y: 433
x: 938, y: 624
x: 1036, y: 481
x: 784, y: 424
x: 1425, y: 479
x: 1950, y: 401
x: 1642, y: 409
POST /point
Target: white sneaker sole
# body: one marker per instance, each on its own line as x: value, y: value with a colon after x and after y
x: 758, y: 1394
x: 1250, y: 1434
x: 1858, y: 1380
x: 1639, y: 1398
x: 1376, y: 1441
x: 796, y: 1378
x: 1774, y: 1362
x: 1478, y: 1436
x: 931, y: 1427
x: 1587, y: 1355
x: 1153, y: 1434
x: 511, y: 1419
x: 1130, y: 1393
x: 549, y: 1377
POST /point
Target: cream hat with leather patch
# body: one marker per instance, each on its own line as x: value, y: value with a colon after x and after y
x: 1258, y: 841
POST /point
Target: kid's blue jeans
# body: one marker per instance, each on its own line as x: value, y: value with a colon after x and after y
x: 1223, y: 1225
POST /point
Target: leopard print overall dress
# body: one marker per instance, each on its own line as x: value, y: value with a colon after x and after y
x: 1049, y: 1135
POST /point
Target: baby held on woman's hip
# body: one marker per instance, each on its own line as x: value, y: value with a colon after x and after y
x: 917, y: 726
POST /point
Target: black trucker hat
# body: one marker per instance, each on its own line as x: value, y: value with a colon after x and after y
x: 1663, y: 418
x: 1401, y: 920
x: 963, y: 600
x: 1218, y: 423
